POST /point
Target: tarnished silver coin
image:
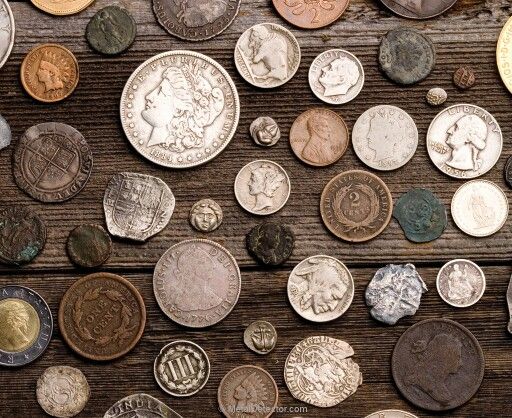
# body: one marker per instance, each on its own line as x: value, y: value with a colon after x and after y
x: 197, y: 283
x: 140, y: 405
x: 182, y: 368
x: 7, y: 30
x: 5, y: 133
x: 391, y: 413
x: 180, y: 109
x: 320, y: 288
x: 265, y: 131
x: 267, y: 55
x: 479, y: 208
x: 262, y: 187
x: 436, y: 96
x: 385, y: 137
x: 336, y: 76
x: 320, y: 371
x: 260, y: 337
x: 464, y: 141
x: 206, y: 215
x: 394, y: 292
x: 137, y: 206
x: 62, y: 391
x: 509, y: 303
x: 460, y: 283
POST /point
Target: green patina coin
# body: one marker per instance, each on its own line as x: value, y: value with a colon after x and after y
x: 111, y: 30
x: 89, y: 245
x: 421, y: 215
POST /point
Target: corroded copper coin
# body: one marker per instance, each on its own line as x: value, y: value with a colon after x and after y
x: 102, y: 316
x: 270, y: 243
x: 319, y: 137
x: 508, y: 172
x: 464, y: 77
x: 49, y: 73
x: 52, y: 162
x: 438, y: 365
x: 89, y: 245
x: 22, y: 235
x: 308, y: 14
x: 418, y: 9
x: 356, y: 206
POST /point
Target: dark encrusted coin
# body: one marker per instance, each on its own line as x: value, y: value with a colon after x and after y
x: 438, y: 365
x: 421, y: 215
x: 270, y: 243
x: 508, y: 172
x: 464, y: 77
x: 418, y: 9
x: 22, y: 235
x: 406, y: 55
x: 111, y: 30
x: 89, y: 245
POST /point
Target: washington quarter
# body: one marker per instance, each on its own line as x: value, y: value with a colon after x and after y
x: 391, y: 413
x: 140, y: 405
x: 267, y: 55
x: 461, y: 283
x: 260, y: 337
x: 6, y: 32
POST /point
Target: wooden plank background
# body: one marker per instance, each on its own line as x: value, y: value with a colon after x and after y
x: 467, y: 34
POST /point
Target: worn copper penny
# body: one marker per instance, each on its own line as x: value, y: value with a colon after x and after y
x: 22, y: 235
x: 464, y: 77
x: 309, y: 14
x: 319, y: 137
x: 356, y: 206
x: 49, y: 73
x: 418, y: 9
x: 52, y: 162
x: 438, y: 365
x: 271, y: 243
x: 102, y: 316
x: 62, y: 7
x: 89, y: 245
x: 508, y: 172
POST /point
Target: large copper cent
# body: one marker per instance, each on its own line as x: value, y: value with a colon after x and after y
x: 307, y: 14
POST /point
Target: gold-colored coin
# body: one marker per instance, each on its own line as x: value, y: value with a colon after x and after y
x: 19, y: 325
x: 504, y: 54
x: 62, y: 7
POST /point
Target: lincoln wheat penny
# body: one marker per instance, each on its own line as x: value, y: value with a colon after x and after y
x: 7, y: 33
x: 461, y: 283
x: 311, y: 14
x: 418, y: 9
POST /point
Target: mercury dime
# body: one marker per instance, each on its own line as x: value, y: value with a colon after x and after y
x: 385, y: 137
x: 508, y: 172
x: 260, y: 337
x: 137, y: 206
x: 62, y: 7
x: 320, y: 288
x: 265, y: 131
x: 460, y: 283
x: 267, y: 55
x: 7, y: 32
x: 262, y: 187
x: 271, y: 243
x: 418, y: 9
x: 197, y: 283
x: 184, y: 132
x: 52, y: 162
x: 142, y: 406
x: 182, y: 368
x: 315, y: 357
x: 26, y: 325
x: 391, y: 413
x: 464, y: 141
x: 5, y: 133
x: 311, y: 14
x: 479, y: 208
x: 509, y: 303
x: 247, y: 391
x: 438, y: 365
x: 206, y: 215
x: 504, y: 54
x: 89, y: 245
x: 62, y: 391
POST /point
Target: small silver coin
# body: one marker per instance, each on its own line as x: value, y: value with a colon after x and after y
x: 7, y: 31
x: 5, y: 133
x: 460, y: 283
x: 336, y: 76
x: 265, y: 131
x: 509, y: 303
x: 260, y: 337
x: 391, y: 413
x: 436, y: 96
x: 140, y: 405
x: 479, y: 208
x: 206, y: 215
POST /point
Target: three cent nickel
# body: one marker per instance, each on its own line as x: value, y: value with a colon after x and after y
x: 140, y: 405
x: 418, y: 9
x: 461, y: 283
x: 311, y: 14
x: 260, y: 337
x: 7, y: 32
x: 89, y: 245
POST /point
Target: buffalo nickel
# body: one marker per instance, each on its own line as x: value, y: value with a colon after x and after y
x: 206, y: 215
x: 509, y: 303
x: 311, y: 14
x: 5, y: 133
x: 418, y: 9
x: 265, y: 131
x: 461, y: 283
x: 7, y: 32
x: 260, y: 337
x: 271, y: 243
x: 391, y: 413
x: 140, y: 405
x: 504, y: 54
x: 186, y: 132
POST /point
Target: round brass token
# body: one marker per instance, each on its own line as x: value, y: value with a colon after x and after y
x: 62, y: 8
x: 504, y: 54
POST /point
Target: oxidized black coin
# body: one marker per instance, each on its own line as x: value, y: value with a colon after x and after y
x: 421, y: 215
x: 508, y: 172
x: 111, y: 30
x: 89, y: 245
x: 406, y: 55
x: 418, y: 9
x: 22, y: 235
x: 271, y: 244
x: 438, y: 365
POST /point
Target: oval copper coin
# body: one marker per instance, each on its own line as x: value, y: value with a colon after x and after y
x: 319, y: 137
x: 49, y: 73
x: 52, y: 162
x: 310, y: 14
x: 60, y: 7
x: 438, y: 365
x: 418, y: 9
x: 356, y: 206
x: 102, y: 316
x: 89, y: 245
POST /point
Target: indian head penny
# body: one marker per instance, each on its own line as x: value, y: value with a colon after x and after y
x: 140, y: 405
x: 260, y: 337
x: 504, y: 54
x: 461, y: 283
x: 391, y: 413
x: 62, y: 7
x: 464, y: 141
x: 385, y: 137
x: 197, y: 283
x: 319, y: 137
x: 479, y: 208
x: 184, y: 132
x: 267, y: 55
x: 7, y: 32
x: 308, y: 14
x: 418, y: 9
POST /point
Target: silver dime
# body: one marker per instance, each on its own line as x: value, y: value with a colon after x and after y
x: 265, y: 131
x: 509, y: 303
x: 464, y: 141
x: 182, y: 368
x: 180, y: 109
x: 262, y: 187
x: 197, y: 283
x: 320, y: 288
x: 260, y: 337
x: 320, y: 371
x: 391, y: 413
x: 5, y: 133
x: 436, y: 96
x: 267, y: 55
x: 394, y: 292
x: 140, y: 405
x: 7, y: 31
x: 385, y: 137
x: 336, y: 76
x: 479, y: 208
x: 206, y: 215
x: 461, y: 283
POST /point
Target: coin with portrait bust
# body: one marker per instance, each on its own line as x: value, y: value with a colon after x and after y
x: 265, y: 131
x: 509, y: 303
x: 89, y: 245
x: 140, y: 405
x: 7, y: 33
x: 5, y: 133
x: 62, y: 7
x: 460, y: 283
x: 418, y: 9
x: 391, y: 413
x: 206, y: 215
x: 271, y: 243
x: 260, y: 337
x: 504, y: 54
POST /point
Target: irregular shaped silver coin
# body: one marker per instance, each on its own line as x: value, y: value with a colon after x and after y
x: 436, y: 96
x: 7, y: 31
x: 206, y: 215
x: 140, y: 405
x: 394, y: 292
x: 265, y: 131
x: 460, y: 283
x: 137, y: 206
x: 5, y: 133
